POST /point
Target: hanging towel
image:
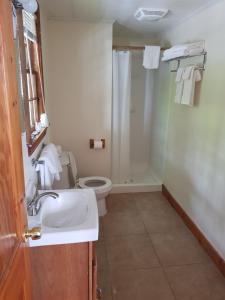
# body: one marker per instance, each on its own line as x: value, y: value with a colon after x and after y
x: 180, y: 85
x: 151, y: 57
x: 190, y: 77
x: 50, y: 167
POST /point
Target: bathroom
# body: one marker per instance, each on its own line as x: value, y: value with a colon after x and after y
x: 147, y: 167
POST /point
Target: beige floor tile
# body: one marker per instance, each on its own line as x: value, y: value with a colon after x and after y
x: 104, y: 283
x: 128, y: 266
x: 148, y: 196
x: 101, y: 231
x: 178, y: 248
x: 152, y: 204
x: 131, y: 252
x: 140, y: 285
x: 120, y: 224
x: 120, y: 203
x: 196, y: 282
x: 162, y: 220
x: 101, y: 255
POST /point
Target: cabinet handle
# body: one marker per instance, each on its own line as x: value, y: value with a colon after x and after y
x: 98, y: 293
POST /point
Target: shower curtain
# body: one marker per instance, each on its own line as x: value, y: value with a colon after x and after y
x: 121, y: 116
x: 148, y: 107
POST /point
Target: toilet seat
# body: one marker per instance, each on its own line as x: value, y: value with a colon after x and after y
x: 99, y: 184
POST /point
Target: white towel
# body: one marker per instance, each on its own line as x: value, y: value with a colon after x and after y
x: 185, y: 47
x: 180, y: 85
x: 183, y: 50
x: 190, y: 76
x: 191, y: 46
x: 151, y: 57
x: 59, y: 149
x: 180, y: 53
x: 50, y: 168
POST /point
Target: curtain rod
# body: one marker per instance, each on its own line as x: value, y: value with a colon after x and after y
x: 124, y: 48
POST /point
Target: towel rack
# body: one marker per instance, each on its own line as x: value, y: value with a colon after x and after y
x: 36, y: 161
x: 198, y: 67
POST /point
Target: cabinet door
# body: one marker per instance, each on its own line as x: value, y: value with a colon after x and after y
x: 92, y: 271
x: 60, y: 272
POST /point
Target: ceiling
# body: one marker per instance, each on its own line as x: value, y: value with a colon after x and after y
x: 122, y: 12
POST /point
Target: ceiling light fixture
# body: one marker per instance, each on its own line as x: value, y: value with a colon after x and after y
x: 150, y: 14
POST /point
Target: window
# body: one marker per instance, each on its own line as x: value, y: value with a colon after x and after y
x: 31, y: 76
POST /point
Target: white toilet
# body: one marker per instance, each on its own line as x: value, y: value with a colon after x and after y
x: 101, y: 185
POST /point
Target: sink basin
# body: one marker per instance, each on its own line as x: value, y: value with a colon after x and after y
x: 70, y: 218
x: 66, y: 211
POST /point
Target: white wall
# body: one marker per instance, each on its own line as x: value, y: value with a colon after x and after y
x: 78, y: 87
x: 195, y: 164
x: 133, y: 41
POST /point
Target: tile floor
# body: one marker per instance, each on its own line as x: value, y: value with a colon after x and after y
x: 145, y: 252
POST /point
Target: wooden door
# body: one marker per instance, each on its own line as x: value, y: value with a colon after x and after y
x: 14, y: 256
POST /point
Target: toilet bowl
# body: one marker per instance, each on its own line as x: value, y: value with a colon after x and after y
x: 101, y: 185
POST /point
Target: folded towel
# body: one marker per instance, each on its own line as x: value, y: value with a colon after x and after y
x: 183, y: 50
x: 190, y: 46
x: 190, y: 77
x: 151, y: 57
x: 50, y: 167
x: 180, y: 53
x: 187, y: 47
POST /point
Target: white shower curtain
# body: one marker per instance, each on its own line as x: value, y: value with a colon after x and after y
x: 148, y: 107
x: 121, y: 116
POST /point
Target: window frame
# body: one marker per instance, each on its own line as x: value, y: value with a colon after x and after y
x: 32, y: 143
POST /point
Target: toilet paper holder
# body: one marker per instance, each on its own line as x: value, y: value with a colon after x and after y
x: 92, y: 143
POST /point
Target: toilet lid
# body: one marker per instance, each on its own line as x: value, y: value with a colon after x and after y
x: 101, y: 184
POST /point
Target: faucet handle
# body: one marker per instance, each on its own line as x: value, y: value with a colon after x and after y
x: 31, y: 209
x: 31, y: 203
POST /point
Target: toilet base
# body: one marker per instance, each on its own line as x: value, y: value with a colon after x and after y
x: 101, y: 203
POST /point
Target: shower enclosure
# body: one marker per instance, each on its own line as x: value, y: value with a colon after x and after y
x: 133, y: 97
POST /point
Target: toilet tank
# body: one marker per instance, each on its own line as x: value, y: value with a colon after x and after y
x: 68, y: 176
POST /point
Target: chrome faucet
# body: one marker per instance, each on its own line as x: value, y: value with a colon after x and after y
x: 34, y: 205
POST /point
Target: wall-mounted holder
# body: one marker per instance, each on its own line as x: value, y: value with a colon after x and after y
x: 97, y: 144
x: 199, y: 60
x: 35, y: 160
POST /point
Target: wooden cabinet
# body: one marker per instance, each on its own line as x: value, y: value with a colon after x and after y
x: 65, y: 272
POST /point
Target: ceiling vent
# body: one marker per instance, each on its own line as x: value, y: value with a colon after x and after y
x: 149, y: 14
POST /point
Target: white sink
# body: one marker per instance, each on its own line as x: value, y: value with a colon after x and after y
x: 70, y: 218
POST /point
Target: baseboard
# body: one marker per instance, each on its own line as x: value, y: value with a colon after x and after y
x: 135, y: 188
x: 212, y: 252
